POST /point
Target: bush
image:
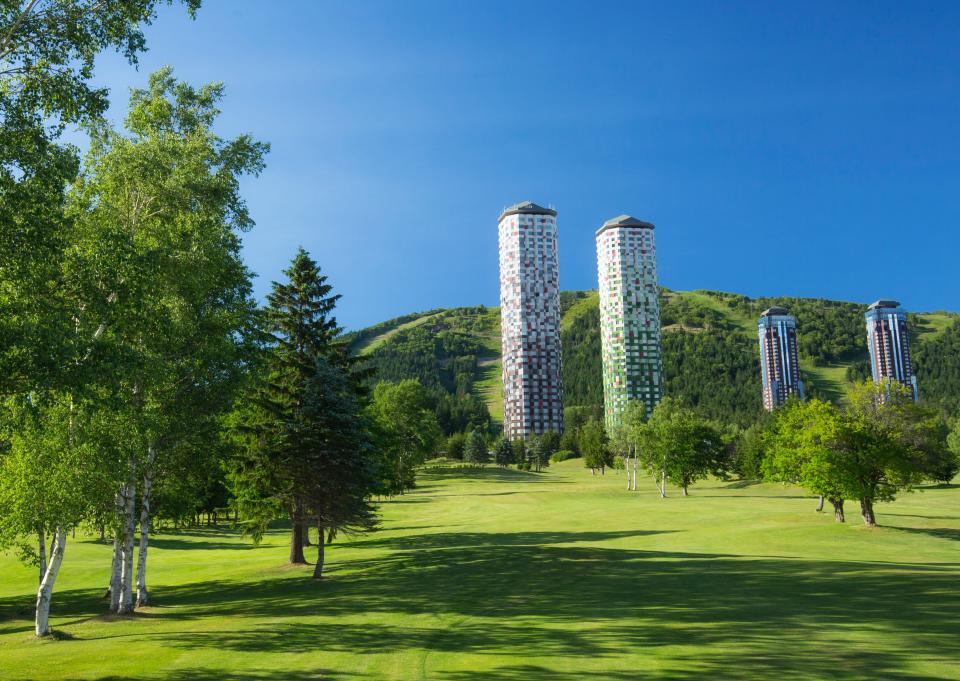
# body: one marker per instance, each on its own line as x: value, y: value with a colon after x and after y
x: 563, y: 455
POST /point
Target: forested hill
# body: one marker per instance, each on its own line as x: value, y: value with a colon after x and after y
x: 709, y: 343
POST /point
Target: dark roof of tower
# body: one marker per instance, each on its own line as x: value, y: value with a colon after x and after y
x: 775, y: 312
x: 526, y: 208
x: 625, y: 221
x: 883, y: 303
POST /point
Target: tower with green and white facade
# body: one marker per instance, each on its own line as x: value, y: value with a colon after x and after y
x: 629, y: 316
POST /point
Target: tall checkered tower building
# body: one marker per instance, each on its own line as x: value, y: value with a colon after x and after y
x: 629, y: 316
x: 530, y: 321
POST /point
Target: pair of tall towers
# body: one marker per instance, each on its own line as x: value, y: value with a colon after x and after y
x: 888, y: 342
x: 530, y: 318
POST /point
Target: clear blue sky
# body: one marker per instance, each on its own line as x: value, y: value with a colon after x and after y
x: 809, y: 150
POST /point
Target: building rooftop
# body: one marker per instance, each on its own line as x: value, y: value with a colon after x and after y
x: 775, y: 312
x: 625, y: 221
x: 527, y: 208
x: 883, y: 303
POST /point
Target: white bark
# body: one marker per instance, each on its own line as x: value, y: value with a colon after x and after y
x: 45, y: 592
x: 129, y: 494
x: 42, y: 542
x: 114, y: 588
x: 143, y: 597
x: 634, y: 471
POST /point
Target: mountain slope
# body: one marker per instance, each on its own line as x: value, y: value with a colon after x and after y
x: 709, y: 344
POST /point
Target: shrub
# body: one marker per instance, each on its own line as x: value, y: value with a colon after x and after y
x: 563, y: 455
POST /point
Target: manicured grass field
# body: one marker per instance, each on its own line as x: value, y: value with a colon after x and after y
x: 500, y: 574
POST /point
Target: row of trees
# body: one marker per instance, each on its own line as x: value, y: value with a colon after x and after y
x: 880, y: 445
x: 125, y: 320
x: 138, y: 377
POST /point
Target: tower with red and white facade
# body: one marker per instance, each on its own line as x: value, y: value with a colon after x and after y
x: 530, y: 321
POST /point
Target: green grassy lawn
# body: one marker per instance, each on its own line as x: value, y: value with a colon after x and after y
x: 830, y: 380
x: 932, y: 324
x: 498, y: 574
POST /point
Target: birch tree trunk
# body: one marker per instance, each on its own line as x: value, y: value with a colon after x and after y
x: 45, y: 592
x: 321, y: 553
x: 42, y: 546
x: 143, y: 597
x: 635, y: 470
x: 114, y: 588
x: 662, y: 486
x: 126, y: 549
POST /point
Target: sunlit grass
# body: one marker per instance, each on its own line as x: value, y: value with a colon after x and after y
x: 493, y: 574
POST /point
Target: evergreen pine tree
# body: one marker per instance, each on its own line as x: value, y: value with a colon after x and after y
x: 503, y: 452
x: 299, y: 455
x: 475, y: 450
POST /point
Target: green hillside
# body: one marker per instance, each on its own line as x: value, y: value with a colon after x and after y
x: 709, y: 344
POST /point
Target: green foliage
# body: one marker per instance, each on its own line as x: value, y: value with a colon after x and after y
x: 884, y: 443
x: 444, y: 355
x: 49, y: 51
x: 475, y: 450
x: 162, y: 298
x: 678, y: 445
x: 582, y: 375
x: 519, y: 447
x: 56, y: 468
x: 570, y: 440
x: 827, y: 330
x: 859, y: 371
x: 407, y: 431
x: 715, y: 372
x: 750, y: 448
x: 594, y: 445
x: 455, y: 446
x: 503, y: 452
x: 938, y: 369
x: 304, y: 444
x: 563, y: 455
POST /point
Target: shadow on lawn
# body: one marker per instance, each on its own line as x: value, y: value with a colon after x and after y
x: 938, y: 532
x: 485, y: 474
x: 532, y: 594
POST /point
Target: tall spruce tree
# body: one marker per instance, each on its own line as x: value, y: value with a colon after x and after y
x: 475, y: 450
x: 292, y: 444
x: 503, y: 452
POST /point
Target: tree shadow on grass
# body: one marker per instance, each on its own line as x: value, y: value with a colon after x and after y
x: 173, y: 544
x: 745, y: 617
x: 547, y: 595
x: 938, y: 532
x: 485, y: 474
x: 205, y: 674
